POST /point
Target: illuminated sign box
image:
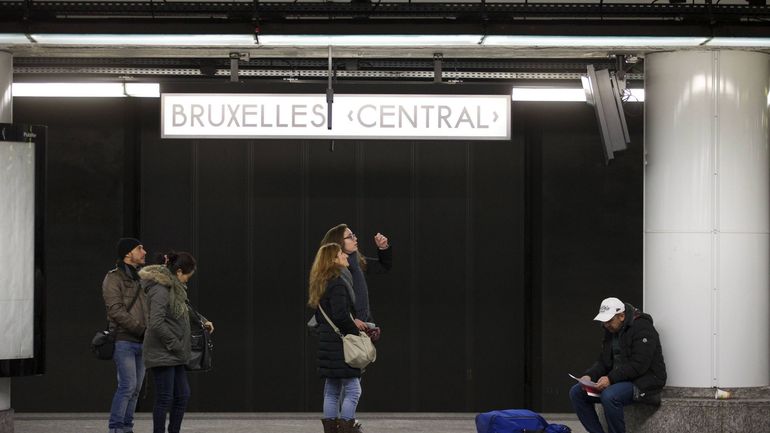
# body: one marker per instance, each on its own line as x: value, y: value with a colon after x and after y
x: 449, y: 117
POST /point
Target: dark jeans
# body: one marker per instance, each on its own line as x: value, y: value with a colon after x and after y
x: 171, y: 395
x: 612, y: 400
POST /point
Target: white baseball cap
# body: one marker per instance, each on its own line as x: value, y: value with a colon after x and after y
x: 610, y: 307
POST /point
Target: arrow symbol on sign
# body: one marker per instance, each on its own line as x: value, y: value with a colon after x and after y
x: 350, y: 115
x: 496, y: 116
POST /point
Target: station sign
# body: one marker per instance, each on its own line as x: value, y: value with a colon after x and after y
x: 410, y: 117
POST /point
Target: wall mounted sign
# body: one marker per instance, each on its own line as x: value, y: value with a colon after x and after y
x: 412, y: 117
x: 22, y: 225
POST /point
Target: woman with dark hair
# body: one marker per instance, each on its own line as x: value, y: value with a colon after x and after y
x: 329, y: 295
x: 167, y: 339
x: 344, y: 236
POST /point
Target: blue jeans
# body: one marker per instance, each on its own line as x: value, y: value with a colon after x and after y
x: 613, y: 398
x: 332, y: 390
x: 171, y: 395
x: 130, y: 367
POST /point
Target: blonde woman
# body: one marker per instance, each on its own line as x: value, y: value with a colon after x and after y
x: 328, y: 292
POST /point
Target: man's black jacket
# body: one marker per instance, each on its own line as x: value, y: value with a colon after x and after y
x: 641, y: 351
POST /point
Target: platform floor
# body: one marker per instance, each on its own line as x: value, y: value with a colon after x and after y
x: 197, y: 422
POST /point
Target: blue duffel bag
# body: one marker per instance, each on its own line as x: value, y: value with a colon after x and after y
x: 510, y: 421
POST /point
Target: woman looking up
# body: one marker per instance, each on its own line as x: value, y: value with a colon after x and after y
x: 359, y: 264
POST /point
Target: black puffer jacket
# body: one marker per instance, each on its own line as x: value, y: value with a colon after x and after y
x: 641, y: 350
x: 338, y: 306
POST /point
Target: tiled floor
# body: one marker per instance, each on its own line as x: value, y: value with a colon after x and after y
x: 267, y: 422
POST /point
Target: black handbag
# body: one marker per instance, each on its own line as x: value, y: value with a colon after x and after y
x: 201, y: 344
x: 103, y: 343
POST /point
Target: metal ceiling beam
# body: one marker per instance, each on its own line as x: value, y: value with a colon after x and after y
x: 304, y: 74
x: 32, y: 9
x: 141, y: 69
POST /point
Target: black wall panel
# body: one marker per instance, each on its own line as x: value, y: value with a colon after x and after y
x: 499, y: 248
x: 224, y: 291
x: 590, y: 232
x: 440, y: 276
x: 89, y: 160
x: 385, y: 203
x: 496, y: 298
x: 279, y: 263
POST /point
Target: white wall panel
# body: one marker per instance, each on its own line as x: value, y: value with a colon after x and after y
x: 678, y: 134
x: 743, y: 143
x: 743, y: 323
x: 678, y: 295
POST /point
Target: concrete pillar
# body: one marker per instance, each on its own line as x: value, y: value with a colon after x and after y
x: 707, y: 215
x: 6, y: 116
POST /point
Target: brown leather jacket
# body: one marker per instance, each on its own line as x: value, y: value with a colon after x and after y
x: 118, y: 290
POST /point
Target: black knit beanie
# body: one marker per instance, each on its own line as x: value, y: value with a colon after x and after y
x: 125, y: 245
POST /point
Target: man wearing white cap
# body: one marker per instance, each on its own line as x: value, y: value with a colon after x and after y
x: 630, y: 367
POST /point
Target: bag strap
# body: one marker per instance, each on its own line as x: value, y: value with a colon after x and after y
x: 336, y: 329
x: 193, y: 310
x: 130, y: 306
x: 133, y: 301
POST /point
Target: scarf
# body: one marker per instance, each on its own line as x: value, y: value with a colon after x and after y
x: 359, y: 288
x: 177, y: 291
x: 177, y: 299
x: 130, y: 271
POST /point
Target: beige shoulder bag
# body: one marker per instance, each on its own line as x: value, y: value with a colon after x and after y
x: 359, y: 349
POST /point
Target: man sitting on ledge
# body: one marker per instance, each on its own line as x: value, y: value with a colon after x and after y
x: 630, y: 367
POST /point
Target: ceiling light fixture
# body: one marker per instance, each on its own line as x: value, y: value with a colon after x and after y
x: 86, y: 90
x: 739, y: 42
x: 144, y: 40
x: 369, y: 40
x: 593, y: 41
x: 563, y: 94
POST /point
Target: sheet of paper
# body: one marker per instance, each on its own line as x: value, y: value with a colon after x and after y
x: 589, y: 386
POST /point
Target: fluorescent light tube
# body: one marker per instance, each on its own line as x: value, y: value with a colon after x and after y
x: 142, y: 90
x: 369, y: 40
x: 739, y: 42
x: 560, y: 94
x: 144, y: 39
x: 547, y: 94
x: 86, y: 90
x: 13, y: 38
x: 69, y: 90
x: 592, y: 41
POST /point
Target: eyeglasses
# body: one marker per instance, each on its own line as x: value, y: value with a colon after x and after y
x: 351, y: 236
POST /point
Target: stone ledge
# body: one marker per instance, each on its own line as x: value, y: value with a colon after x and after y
x: 6, y: 421
x: 685, y: 410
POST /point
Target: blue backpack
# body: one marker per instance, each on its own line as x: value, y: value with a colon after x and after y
x: 557, y: 428
x: 516, y: 421
x: 510, y: 421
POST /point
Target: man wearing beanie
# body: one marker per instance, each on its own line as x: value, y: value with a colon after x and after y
x: 126, y: 305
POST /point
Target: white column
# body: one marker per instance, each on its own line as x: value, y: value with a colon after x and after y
x: 707, y: 215
x: 6, y: 116
x: 6, y: 78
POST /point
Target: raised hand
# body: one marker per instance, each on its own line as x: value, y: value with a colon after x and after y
x: 381, y: 241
